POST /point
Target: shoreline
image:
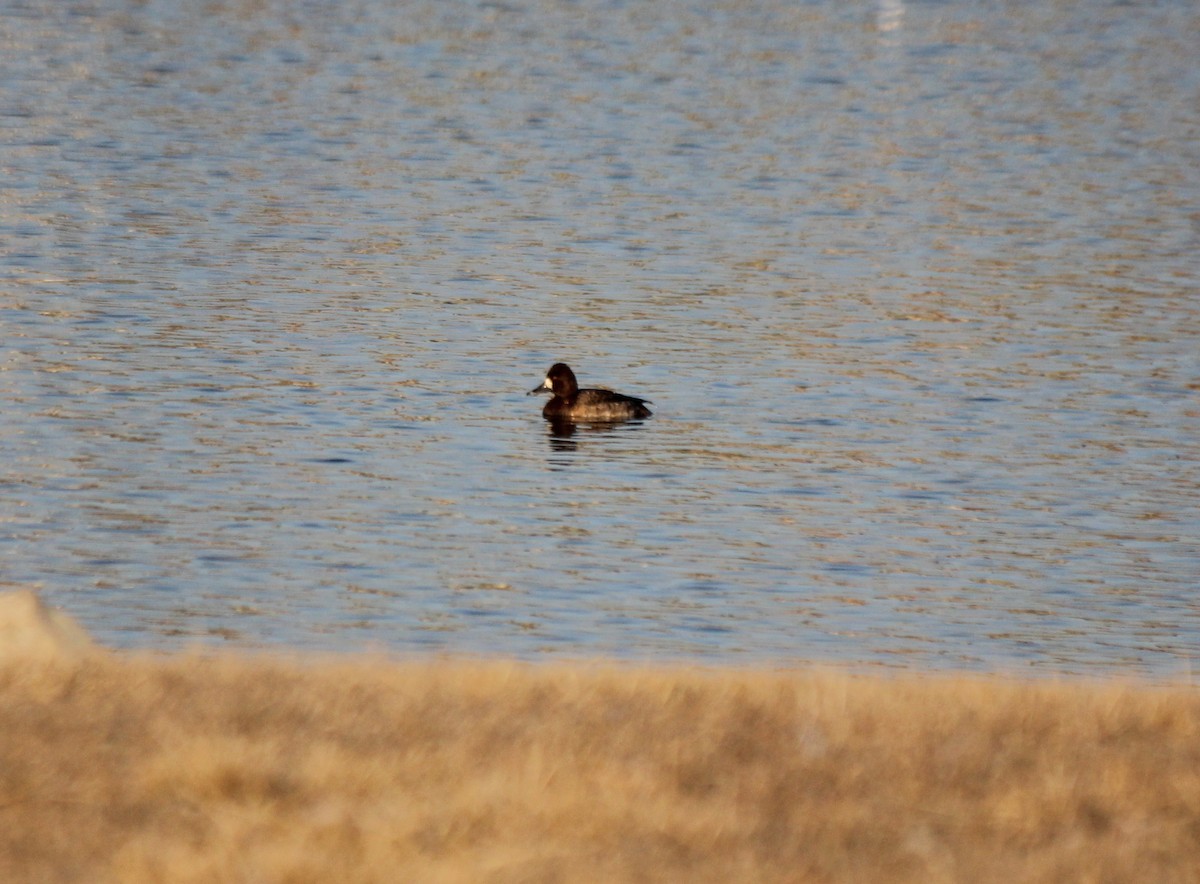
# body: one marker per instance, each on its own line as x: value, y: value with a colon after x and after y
x: 197, y: 767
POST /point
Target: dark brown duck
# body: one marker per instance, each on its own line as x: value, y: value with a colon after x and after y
x: 569, y: 403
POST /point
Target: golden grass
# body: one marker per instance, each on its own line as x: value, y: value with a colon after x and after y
x: 188, y: 769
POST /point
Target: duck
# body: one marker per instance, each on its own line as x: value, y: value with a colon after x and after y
x: 569, y: 403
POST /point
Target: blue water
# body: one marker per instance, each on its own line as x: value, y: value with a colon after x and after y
x: 914, y: 288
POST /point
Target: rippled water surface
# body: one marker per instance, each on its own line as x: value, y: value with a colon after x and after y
x: 913, y: 287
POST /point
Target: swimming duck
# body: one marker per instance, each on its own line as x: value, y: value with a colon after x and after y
x: 569, y: 403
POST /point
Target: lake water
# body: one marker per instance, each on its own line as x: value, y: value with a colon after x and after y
x: 914, y: 288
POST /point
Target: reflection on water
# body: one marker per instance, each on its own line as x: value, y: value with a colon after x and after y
x: 567, y: 436
x: 912, y: 285
x: 890, y: 16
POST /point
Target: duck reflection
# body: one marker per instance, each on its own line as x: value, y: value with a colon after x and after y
x: 566, y: 437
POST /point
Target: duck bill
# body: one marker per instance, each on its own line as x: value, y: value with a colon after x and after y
x: 541, y: 388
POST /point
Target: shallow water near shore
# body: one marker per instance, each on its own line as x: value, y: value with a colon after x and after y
x: 912, y: 287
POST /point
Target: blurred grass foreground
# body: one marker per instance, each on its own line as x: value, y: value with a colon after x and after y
x: 134, y: 767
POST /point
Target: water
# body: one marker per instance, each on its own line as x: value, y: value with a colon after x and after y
x: 913, y: 287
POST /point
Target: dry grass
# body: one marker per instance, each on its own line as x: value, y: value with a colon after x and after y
x: 218, y: 769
